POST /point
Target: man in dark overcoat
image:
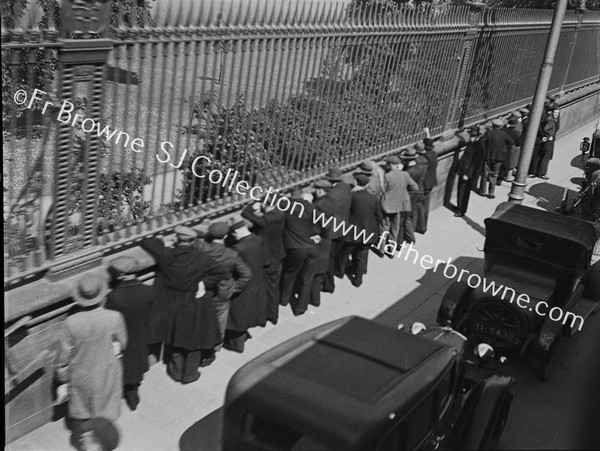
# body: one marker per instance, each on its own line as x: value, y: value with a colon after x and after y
x: 269, y: 223
x: 467, y: 170
x: 514, y: 151
x: 248, y: 308
x: 300, y: 237
x: 134, y: 300
x: 431, y: 180
x: 366, y: 217
x: 188, y: 325
x: 544, y: 147
x: 497, y: 141
x: 324, y: 205
x: 340, y: 196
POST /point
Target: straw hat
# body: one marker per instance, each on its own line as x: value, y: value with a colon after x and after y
x: 90, y: 290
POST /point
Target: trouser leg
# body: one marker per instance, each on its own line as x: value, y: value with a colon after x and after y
x: 175, y: 363
x: 426, y: 205
x: 132, y: 397
x: 292, y: 264
x: 493, y: 176
x: 360, y: 256
x: 345, y: 254
x: 315, y: 293
x: 483, y: 184
x: 76, y: 427
x: 235, y: 340
x: 306, y: 279
x: 395, y: 226
x: 535, y: 159
x: 545, y: 155
x: 462, y: 196
x: 273, y: 277
x: 191, y: 362
x: 408, y: 231
x: 222, y: 311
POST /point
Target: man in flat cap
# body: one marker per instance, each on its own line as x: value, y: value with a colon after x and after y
x: 366, y: 217
x: 227, y: 274
x: 248, y: 307
x: 183, y: 323
x: 324, y: 205
x: 497, y: 141
x: 88, y: 360
x: 133, y: 300
x: 340, y: 196
x: 395, y: 202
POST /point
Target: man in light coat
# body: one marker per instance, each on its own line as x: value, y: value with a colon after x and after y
x: 395, y: 202
x: 89, y: 357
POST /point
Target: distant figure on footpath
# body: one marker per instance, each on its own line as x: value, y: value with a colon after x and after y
x: 133, y: 300
x: 467, y: 171
x: 543, y: 150
x: 497, y: 141
x: 513, y: 129
x: 188, y: 325
x: 89, y: 358
x: 430, y: 181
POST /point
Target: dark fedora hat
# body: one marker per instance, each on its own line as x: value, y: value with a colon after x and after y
x: 334, y: 174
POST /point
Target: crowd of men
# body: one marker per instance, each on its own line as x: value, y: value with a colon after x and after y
x: 492, y: 155
x: 212, y: 286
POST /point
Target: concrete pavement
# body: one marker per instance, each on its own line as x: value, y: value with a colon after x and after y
x: 393, y: 291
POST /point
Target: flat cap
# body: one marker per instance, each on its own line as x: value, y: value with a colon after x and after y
x: 366, y: 166
x: 322, y: 184
x: 334, y: 174
x: 362, y: 179
x: 185, y: 233
x: 124, y: 265
x: 218, y: 230
x: 392, y: 159
x: 497, y: 123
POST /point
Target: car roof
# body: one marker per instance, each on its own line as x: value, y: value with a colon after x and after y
x: 540, y: 237
x: 349, y: 382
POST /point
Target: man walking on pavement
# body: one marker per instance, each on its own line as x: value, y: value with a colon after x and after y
x: 324, y: 205
x: 190, y: 325
x: 545, y: 143
x: 133, y: 300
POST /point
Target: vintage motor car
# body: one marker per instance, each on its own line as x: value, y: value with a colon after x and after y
x: 355, y: 384
x: 542, y: 254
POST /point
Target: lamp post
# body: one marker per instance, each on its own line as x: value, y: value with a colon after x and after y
x: 517, y: 191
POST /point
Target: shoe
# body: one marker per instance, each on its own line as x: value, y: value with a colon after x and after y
x: 544, y: 177
x: 193, y: 379
x: 459, y: 215
x: 357, y: 281
x: 531, y: 176
x: 298, y: 313
x: 377, y: 252
x: 315, y: 304
x: 207, y: 361
x: 491, y: 196
x: 481, y: 193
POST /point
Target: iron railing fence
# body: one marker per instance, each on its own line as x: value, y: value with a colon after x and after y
x: 271, y: 93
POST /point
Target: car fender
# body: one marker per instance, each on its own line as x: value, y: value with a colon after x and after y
x: 455, y: 304
x: 486, y: 405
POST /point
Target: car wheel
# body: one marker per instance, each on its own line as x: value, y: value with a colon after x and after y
x: 497, y: 324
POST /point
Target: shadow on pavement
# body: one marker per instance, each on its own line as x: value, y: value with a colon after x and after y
x: 548, y: 195
x: 203, y: 435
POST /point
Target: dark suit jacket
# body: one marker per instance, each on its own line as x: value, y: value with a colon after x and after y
x: 497, y: 143
x: 341, y: 198
x: 418, y: 172
x: 249, y: 308
x: 270, y: 228
x: 134, y: 300
x: 298, y: 230
x: 177, y: 318
x: 365, y: 214
x: 227, y: 272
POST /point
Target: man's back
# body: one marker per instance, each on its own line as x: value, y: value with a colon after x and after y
x: 395, y: 197
x: 298, y: 230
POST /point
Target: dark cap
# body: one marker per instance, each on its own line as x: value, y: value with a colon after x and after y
x: 334, y: 174
x: 419, y: 147
x: 362, y: 179
x: 124, y: 265
x: 322, y: 184
x: 408, y: 154
x: 366, y: 166
x: 218, y: 230
x: 392, y: 159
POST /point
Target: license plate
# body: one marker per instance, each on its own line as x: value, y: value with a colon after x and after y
x: 496, y: 332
